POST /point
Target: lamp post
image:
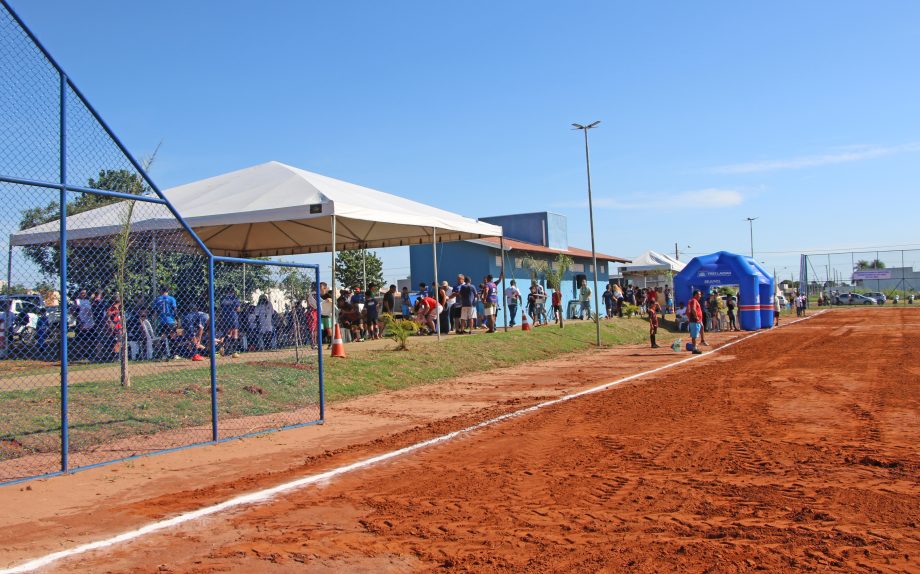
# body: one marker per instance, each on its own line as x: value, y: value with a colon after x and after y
x: 750, y: 221
x: 597, y: 316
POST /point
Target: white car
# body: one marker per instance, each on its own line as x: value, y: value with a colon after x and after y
x: 20, y: 316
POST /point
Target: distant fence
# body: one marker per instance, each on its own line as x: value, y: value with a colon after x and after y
x: 120, y: 333
x: 893, y: 273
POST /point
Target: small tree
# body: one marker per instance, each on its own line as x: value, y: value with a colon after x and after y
x: 554, y: 276
x: 351, y: 266
x: 399, y: 330
x: 537, y: 267
x: 121, y: 248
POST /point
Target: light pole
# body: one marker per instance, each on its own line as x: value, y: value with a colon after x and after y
x: 750, y: 221
x: 597, y: 317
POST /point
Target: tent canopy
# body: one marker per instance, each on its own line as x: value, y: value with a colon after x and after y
x: 276, y: 209
x: 652, y: 263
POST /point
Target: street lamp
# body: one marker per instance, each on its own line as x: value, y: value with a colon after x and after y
x: 750, y: 221
x: 597, y: 316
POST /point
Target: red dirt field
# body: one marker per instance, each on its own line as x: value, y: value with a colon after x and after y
x: 793, y: 451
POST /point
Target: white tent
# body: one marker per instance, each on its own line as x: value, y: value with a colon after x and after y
x: 275, y: 209
x: 652, y: 263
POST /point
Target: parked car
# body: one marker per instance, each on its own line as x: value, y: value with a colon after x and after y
x: 880, y: 298
x: 854, y: 299
x: 20, y: 314
x: 54, y: 318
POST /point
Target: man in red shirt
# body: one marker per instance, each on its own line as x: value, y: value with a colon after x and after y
x: 427, y: 309
x: 695, y: 315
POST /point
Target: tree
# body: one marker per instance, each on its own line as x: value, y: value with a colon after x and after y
x: 349, y: 267
x: 89, y: 266
x: 552, y: 272
x: 862, y: 264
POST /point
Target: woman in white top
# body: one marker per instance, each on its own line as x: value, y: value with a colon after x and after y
x: 264, y: 313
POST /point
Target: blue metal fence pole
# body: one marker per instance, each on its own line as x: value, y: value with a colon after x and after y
x: 319, y: 350
x: 65, y: 422
x: 213, y: 317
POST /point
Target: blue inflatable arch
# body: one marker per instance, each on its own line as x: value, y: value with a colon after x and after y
x: 755, y: 300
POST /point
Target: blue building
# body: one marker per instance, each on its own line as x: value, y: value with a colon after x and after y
x: 539, y: 236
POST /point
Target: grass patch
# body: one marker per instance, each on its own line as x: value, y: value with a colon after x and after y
x: 104, y: 411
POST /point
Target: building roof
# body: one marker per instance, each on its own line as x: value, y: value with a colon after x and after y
x: 513, y: 244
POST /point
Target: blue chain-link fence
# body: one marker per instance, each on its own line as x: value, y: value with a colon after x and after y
x: 120, y: 333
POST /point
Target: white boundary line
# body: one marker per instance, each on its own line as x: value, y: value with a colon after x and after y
x: 268, y: 493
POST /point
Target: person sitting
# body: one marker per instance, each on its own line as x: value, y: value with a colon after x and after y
x: 680, y: 315
x: 350, y: 320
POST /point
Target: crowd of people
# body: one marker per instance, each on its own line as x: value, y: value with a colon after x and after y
x: 160, y: 330
x: 157, y: 330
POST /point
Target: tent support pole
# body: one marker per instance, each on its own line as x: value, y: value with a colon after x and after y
x: 332, y: 282
x: 153, y: 266
x: 364, y: 270
x: 501, y: 246
x: 434, y: 253
x: 9, y: 268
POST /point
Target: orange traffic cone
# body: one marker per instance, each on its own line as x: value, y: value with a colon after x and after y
x: 338, y: 347
x: 525, y: 326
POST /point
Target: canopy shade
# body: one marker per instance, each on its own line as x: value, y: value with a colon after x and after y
x: 276, y: 209
x: 652, y: 263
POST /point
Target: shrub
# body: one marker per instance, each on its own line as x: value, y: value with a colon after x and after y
x: 398, y: 329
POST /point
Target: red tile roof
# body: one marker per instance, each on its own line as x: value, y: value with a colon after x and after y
x: 532, y: 247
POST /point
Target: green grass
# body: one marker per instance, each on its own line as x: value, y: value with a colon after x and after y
x: 103, y: 411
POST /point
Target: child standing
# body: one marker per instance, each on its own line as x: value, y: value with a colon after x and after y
x: 372, y: 313
x: 653, y: 310
x: 557, y: 308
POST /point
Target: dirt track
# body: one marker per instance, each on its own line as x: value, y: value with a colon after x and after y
x: 793, y: 451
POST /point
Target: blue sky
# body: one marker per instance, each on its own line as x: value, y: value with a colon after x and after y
x: 803, y: 114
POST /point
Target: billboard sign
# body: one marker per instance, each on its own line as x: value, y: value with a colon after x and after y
x: 873, y: 274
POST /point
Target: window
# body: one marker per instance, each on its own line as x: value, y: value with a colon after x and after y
x: 518, y: 263
x: 577, y: 267
x: 498, y: 261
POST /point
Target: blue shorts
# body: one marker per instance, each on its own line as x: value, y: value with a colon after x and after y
x: 695, y: 329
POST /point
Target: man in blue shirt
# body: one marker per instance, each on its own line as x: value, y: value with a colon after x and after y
x: 194, y: 324
x: 165, y: 307
x: 230, y: 322
x: 467, y: 302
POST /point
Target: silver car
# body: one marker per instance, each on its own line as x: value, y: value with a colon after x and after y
x: 880, y: 298
x: 854, y: 299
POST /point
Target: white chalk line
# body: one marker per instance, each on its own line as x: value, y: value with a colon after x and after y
x: 268, y: 493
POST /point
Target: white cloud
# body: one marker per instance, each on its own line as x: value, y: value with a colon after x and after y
x: 710, y: 198
x: 842, y: 155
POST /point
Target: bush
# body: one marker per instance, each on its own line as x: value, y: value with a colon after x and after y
x: 630, y: 310
x: 398, y: 329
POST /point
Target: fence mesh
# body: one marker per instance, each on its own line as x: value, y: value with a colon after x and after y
x: 886, y: 277
x: 267, y: 323
x: 139, y: 377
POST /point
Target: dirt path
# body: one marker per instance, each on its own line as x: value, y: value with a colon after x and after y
x: 793, y: 451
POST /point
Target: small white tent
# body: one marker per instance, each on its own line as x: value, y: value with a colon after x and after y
x: 652, y: 267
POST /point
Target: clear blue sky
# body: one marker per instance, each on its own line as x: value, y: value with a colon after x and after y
x: 804, y: 114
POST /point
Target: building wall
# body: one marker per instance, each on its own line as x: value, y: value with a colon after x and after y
x: 477, y: 260
x: 542, y: 228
